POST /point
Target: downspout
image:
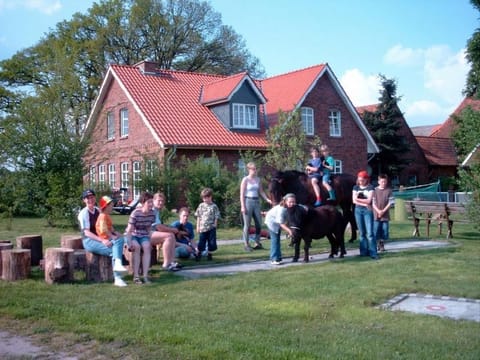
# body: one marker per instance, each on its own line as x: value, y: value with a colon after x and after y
x: 167, y: 165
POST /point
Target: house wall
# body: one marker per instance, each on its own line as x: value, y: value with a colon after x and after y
x: 351, y: 146
x: 133, y: 147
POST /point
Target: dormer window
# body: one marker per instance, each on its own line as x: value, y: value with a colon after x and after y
x: 245, y: 116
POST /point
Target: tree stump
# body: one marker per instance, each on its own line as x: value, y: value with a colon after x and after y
x: 80, y: 259
x: 4, y: 245
x: 58, y: 265
x: 71, y: 242
x: 16, y: 264
x: 129, y: 256
x: 98, y: 267
x: 35, y: 244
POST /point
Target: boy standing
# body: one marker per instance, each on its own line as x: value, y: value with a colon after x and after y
x: 207, y: 215
x: 382, y: 201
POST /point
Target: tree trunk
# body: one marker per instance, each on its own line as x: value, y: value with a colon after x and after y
x: 35, y: 244
x: 99, y: 267
x: 4, y: 245
x: 71, y: 242
x: 58, y: 265
x: 16, y: 264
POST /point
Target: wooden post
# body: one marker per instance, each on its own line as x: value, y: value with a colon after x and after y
x: 16, y: 264
x: 71, y: 242
x: 98, y: 267
x: 35, y: 244
x: 58, y: 265
x: 4, y: 245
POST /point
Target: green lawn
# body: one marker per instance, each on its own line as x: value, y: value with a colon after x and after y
x: 317, y: 311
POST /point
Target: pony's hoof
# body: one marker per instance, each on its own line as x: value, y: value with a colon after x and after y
x: 330, y: 256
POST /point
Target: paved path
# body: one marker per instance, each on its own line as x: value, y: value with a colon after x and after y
x: 230, y: 269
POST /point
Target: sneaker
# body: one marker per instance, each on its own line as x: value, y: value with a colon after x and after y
x: 118, y: 267
x: 137, y: 281
x: 146, y: 280
x: 275, y: 262
x: 177, y: 264
x: 317, y: 204
x: 119, y: 282
x: 248, y: 248
x: 171, y: 268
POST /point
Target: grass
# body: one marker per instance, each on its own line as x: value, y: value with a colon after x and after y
x: 316, y: 311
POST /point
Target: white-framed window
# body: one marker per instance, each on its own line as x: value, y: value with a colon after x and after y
x: 111, y: 175
x: 335, y: 123
x: 101, y: 174
x: 307, y: 120
x: 242, y: 167
x: 245, y: 116
x: 136, y: 178
x: 124, y: 175
x: 124, y: 122
x: 110, y: 126
x: 151, y: 168
x: 338, y: 167
x: 92, y: 175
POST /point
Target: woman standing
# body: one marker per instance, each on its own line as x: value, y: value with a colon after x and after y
x: 362, y: 196
x: 250, y: 190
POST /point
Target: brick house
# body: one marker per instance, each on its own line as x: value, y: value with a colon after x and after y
x: 416, y: 172
x: 144, y: 115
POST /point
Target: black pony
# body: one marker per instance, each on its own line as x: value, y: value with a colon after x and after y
x: 315, y: 223
x: 298, y: 183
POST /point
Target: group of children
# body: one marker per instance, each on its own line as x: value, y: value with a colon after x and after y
x: 99, y: 235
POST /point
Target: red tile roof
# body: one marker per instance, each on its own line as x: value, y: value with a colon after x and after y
x: 370, y: 108
x: 446, y: 129
x: 170, y: 102
x: 438, y: 151
x: 288, y: 90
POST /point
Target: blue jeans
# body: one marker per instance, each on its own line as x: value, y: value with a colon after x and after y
x: 275, y: 250
x: 381, y: 230
x: 207, y: 238
x: 252, y: 210
x: 96, y: 247
x: 364, y: 219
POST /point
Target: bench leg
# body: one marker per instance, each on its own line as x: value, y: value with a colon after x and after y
x: 416, y: 232
x: 450, y: 225
x: 428, y: 221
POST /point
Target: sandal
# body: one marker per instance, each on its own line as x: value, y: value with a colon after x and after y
x: 137, y: 281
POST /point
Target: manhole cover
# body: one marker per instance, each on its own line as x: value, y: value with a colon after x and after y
x: 443, y: 306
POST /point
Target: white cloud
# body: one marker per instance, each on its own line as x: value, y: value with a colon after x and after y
x: 361, y: 89
x: 47, y: 7
x: 445, y: 73
x: 399, y: 55
x: 427, y: 112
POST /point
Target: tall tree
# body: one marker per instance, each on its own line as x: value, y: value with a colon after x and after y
x: 384, y: 124
x: 473, y: 57
x: 47, y: 90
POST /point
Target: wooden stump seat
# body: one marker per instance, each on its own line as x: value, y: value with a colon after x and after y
x: 4, y: 245
x: 71, y: 242
x: 16, y: 264
x: 59, y: 265
x: 98, y: 267
x: 35, y: 244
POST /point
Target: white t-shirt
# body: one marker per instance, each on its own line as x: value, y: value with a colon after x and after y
x: 274, y: 217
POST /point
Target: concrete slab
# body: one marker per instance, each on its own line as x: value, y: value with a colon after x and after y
x: 235, y: 268
x: 443, y: 306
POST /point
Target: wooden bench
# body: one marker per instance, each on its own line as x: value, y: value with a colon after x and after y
x: 440, y: 211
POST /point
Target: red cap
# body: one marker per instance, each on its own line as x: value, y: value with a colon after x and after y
x: 104, y: 201
x: 363, y: 174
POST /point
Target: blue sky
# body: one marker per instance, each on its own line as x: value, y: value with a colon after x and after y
x: 419, y: 43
